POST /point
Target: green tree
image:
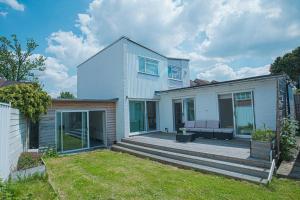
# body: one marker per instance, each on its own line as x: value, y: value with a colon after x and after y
x: 17, y: 64
x: 66, y: 95
x: 30, y: 99
x: 289, y: 64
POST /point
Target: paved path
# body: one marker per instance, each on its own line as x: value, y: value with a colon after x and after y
x: 291, y: 169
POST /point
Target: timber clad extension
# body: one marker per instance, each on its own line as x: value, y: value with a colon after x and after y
x: 47, y: 124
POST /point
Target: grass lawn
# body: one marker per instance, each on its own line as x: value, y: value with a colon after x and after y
x: 32, y: 188
x: 112, y: 175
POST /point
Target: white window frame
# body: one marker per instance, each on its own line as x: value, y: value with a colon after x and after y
x: 172, y: 75
x: 147, y: 60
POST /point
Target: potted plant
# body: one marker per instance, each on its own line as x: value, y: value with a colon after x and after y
x: 261, y: 143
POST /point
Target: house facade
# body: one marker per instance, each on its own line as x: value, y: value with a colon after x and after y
x: 154, y: 93
x: 132, y: 73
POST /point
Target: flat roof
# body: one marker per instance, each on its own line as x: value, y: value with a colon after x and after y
x: 86, y: 100
x: 269, y: 76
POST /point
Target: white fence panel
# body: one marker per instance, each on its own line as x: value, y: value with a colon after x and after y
x: 4, y: 140
x: 12, y: 138
x: 17, y: 133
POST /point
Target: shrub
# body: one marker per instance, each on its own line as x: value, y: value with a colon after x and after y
x: 288, y: 137
x: 263, y: 135
x: 29, y: 160
x: 50, y: 152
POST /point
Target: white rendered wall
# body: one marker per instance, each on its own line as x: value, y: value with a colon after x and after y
x: 206, y: 100
x: 102, y: 77
x: 113, y: 73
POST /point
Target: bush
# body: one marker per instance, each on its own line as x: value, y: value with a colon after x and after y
x: 263, y: 135
x: 288, y: 138
x: 29, y: 160
x: 50, y: 152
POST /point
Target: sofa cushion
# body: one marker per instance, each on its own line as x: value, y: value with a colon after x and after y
x: 189, y: 124
x: 223, y: 130
x: 200, y: 124
x: 210, y: 130
x: 212, y: 124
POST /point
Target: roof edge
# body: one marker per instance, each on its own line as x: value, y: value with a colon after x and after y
x: 134, y: 42
x: 269, y: 76
x: 171, y: 58
x: 85, y: 100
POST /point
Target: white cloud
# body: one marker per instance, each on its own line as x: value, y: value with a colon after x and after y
x: 222, y: 72
x: 70, y: 49
x: 14, y: 4
x: 3, y: 14
x: 56, y: 78
x: 212, y: 34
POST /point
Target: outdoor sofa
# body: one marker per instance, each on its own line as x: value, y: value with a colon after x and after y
x: 208, y: 129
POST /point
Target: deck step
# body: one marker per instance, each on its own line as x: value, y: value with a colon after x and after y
x: 249, y: 162
x: 225, y: 165
x: 190, y: 165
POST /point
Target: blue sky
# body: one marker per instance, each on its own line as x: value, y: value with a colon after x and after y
x: 223, y: 39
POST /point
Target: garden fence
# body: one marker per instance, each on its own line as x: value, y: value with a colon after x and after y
x: 12, y: 138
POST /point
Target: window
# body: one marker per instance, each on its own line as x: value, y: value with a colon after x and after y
x: 174, y: 72
x: 148, y: 66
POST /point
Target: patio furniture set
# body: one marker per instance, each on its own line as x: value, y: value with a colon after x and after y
x: 203, y: 128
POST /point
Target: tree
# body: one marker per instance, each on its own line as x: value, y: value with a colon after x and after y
x: 289, y: 64
x: 30, y: 99
x: 66, y: 95
x: 17, y: 64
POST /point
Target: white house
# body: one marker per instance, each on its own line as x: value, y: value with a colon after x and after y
x: 154, y: 92
x: 127, y: 89
x: 132, y: 73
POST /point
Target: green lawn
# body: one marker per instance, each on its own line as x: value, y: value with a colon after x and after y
x: 32, y: 188
x: 111, y: 175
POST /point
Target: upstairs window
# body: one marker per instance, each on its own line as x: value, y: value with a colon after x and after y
x: 175, y: 72
x: 148, y: 66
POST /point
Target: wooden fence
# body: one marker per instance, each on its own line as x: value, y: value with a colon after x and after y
x: 297, y: 106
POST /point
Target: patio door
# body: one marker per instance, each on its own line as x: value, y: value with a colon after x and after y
x: 177, y: 106
x: 137, y: 116
x: 143, y: 116
x: 225, y: 110
x: 72, y: 130
x: 244, y: 114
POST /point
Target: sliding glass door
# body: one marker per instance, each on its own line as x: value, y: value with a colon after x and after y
x: 137, y: 116
x: 189, y: 109
x: 244, y: 113
x: 143, y: 116
x: 151, y: 115
x: 72, y: 131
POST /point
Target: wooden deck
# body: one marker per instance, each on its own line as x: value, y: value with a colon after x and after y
x: 230, y: 158
x: 236, y: 148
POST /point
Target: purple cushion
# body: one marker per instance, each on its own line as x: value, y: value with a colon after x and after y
x: 200, y: 124
x: 212, y: 124
x: 189, y: 124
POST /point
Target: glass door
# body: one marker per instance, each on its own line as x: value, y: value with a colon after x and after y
x: 72, y: 130
x: 137, y: 116
x: 189, y: 109
x: 225, y: 110
x: 151, y: 115
x: 177, y: 106
x: 244, y: 113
